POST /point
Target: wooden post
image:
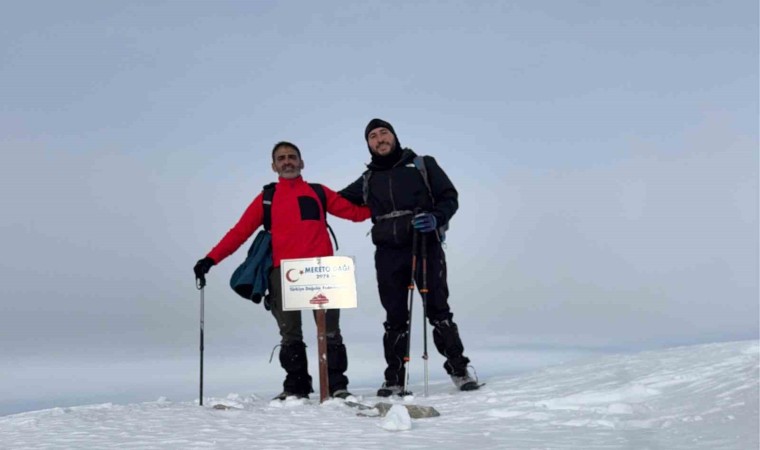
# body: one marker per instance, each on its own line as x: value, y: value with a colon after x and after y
x: 324, y: 390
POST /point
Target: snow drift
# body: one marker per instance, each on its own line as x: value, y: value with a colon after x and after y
x: 698, y: 397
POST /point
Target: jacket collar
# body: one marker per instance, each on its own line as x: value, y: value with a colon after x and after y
x: 407, y: 155
x: 290, y: 182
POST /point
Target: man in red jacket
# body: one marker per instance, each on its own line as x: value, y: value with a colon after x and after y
x: 299, y: 230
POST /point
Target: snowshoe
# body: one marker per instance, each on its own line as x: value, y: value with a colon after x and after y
x: 465, y: 382
x: 387, y: 390
x: 285, y: 394
x: 342, y: 394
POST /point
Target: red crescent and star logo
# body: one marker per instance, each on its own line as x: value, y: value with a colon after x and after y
x: 290, y: 276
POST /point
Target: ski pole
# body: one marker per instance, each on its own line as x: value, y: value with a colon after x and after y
x: 409, y: 318
x: 200, y: 283
x: 423, y: 293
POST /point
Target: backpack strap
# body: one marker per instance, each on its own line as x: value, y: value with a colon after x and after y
x: 419, y: 163
x: 365, y: 185
x: 320, y: 191
x: 268, y: 195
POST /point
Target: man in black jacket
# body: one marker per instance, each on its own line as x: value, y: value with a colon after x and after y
x: 402, y: 201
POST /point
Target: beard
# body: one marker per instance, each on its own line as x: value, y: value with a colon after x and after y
x: 383, y: 148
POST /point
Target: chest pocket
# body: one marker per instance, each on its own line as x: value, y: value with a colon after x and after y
x: 309, y: 208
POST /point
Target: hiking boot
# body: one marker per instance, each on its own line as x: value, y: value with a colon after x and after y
x: 285, y: 394
x: 386, y: 390
x: 465, y: 382
x: 342, y: 394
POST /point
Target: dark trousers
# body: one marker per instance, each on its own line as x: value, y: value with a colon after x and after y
x: 394, y: 272
x: 293, y: 350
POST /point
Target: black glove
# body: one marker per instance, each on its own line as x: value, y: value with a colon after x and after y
x: 201, y: 269
x: 424, y: 222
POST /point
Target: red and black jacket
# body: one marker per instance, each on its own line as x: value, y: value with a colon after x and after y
x: 299, y: 229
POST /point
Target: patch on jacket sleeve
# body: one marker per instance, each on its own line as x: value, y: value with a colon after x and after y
x: 309, y: 208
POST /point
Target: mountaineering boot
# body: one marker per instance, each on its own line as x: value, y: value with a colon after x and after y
x: 465, y: 382
x: 394, y: 346
x: 285, y: 394
x: 337, y: 364
x: 387, y: 390
x: 341, y: 393
x: 448, y: 344
x: 297, y: 381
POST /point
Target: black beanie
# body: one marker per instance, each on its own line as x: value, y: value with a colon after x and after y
x: 377, y: 123
x: 389, y: 160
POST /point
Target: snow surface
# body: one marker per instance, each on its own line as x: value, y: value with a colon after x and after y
x: 698, y: 397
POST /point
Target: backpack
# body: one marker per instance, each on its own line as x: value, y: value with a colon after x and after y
x: 268, y: 194
x: 419, y: 163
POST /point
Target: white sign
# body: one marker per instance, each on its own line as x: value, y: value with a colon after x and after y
x: 318, y: 283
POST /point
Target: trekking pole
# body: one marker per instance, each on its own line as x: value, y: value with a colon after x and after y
x: 423, y: 293
x: 409, y: 318
x: 200, y: 283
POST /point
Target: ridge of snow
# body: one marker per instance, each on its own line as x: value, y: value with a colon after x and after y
x: 696, y: 397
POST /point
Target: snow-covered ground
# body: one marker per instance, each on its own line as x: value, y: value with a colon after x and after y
x: 698, y: 397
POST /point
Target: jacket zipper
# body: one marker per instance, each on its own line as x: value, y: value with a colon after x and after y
x: 393, y: 203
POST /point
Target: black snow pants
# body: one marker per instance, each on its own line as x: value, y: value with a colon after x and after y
x: 293, y: 350
x: 394, y: 269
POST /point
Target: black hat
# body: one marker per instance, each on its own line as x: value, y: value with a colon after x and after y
x: 386, y: 161
x: 377, y: 123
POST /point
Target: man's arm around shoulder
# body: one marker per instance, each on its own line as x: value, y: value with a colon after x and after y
x: 339, y: 206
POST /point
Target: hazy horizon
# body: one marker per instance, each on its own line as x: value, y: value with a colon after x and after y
x: 606, y: 157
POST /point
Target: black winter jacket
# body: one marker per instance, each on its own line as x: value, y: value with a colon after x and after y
x: 401, y: 190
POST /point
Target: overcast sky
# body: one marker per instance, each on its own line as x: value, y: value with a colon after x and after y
x: 606, y: 156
